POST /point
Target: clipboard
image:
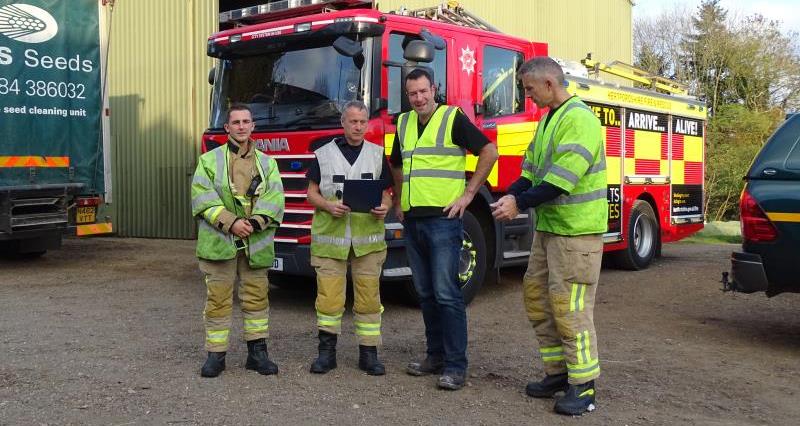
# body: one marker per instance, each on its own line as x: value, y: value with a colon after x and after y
x: 362, y: 195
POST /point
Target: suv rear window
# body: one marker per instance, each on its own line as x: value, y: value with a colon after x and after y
x: 793, y: 160
x: 782, y: 150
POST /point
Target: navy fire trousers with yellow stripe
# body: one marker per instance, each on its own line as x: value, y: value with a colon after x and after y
x: 559, y: 291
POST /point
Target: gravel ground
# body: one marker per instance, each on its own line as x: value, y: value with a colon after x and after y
x: 109, y: 331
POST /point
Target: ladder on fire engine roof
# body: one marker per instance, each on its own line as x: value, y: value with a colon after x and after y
x: 288, y: 9
x: 450, y: 12
x: 621, y: 69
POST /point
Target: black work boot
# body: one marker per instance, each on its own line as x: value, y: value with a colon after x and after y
x: 326, y: 361
x: 452, y: 380
x: 214, y: 364
x: 579, y: 399
x: 369, y: 362
x: 430, y: 365
x: 548, y: 386
x: 258, y: 358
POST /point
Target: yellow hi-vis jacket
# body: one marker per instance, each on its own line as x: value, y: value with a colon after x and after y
x: 433, y: 166
x: 569, y: 153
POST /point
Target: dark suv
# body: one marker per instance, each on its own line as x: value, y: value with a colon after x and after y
x: 770, y: 217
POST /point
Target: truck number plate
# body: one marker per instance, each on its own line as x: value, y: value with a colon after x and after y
x: 277, y: 264
x: 86, y: 214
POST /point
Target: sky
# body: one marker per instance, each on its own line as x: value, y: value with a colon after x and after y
x: 786, y: 11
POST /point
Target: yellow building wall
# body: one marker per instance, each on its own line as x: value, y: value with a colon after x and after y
x: 159, y: 97
x: 571, y: 28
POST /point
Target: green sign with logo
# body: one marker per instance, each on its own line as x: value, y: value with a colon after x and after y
x: 50, y: 93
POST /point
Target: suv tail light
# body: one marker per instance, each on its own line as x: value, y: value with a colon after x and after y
x: 756, y: 226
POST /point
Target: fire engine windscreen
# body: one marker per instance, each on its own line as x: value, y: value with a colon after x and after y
x: 304, y: 88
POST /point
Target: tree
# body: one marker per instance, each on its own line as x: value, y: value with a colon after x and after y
x: 734, y: 136
x: 767, y: 71
x: 747, y: 70
x: 707, y: 53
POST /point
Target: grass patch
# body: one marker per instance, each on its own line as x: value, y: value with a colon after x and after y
x: 714, y: 239
x: 717, y: 233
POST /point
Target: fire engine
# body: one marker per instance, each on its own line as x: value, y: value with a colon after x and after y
x: 295, y: 63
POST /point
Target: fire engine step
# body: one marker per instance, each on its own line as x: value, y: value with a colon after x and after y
x: 515, y: 254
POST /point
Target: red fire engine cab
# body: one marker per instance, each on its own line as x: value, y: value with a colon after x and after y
x: 295, y: 63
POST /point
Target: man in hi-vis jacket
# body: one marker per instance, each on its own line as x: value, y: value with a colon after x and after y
x: 237, y: 198
x: 340, y: 236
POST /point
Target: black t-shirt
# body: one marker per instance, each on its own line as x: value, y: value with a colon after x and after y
x: 552, y: 112
x: 350, y: 153
x: 464, y: 134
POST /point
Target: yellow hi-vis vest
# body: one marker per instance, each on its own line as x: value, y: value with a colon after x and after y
x: 332, y: 236
x: 433, y: 166
x: 569, y: 154
x: 211, y: 193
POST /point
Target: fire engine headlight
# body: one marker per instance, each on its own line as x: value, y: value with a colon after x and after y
x: 235, y: 38
x: 299, y: 28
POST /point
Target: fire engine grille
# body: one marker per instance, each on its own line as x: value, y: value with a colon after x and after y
x: 295, y: 184
x: 293, y: 165
x: 292, y: 232
x: 297, y: 218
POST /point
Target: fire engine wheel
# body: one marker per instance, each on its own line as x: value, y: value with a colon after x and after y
x: 642, y: 236
x: 472, y: 262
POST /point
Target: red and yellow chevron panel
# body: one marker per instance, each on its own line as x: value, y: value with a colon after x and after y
x: 613, y: 142
x: 693, y: 172
x: 33, y: 161
x: 687, y: 151
x: 614, y: 155
x: 629, y: 143
x: 94, y: 229
x: 647, y: 167
x: 677, y: 146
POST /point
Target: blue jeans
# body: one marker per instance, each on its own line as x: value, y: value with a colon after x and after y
x: 433, y: 246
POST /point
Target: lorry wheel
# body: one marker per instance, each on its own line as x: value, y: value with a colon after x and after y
x: 472, y: 263
x: 642, y: 236
x: 14, y: 250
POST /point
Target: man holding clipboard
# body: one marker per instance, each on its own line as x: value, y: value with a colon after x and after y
x: 353, y: 170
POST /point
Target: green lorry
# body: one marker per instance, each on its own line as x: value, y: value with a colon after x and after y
x: 54, y: 166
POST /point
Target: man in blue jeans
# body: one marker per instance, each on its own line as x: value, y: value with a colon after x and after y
x: 428, y: 161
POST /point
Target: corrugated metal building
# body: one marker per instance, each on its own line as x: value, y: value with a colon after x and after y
x: 571, y: 28
x: 159, y: 94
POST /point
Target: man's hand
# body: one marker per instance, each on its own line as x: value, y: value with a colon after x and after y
x: 241, y: 228
x: 398, y: 210
x: 336, y: 208
x: 459, y: 206
x: 505, y: 208
x: 380, y: 211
